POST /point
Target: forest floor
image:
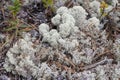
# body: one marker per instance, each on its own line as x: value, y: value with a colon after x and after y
x: 17, y: 17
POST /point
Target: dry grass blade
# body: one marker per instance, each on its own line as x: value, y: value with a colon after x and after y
x: 96, y: 64
x: 3, y: 13
x: 69, y: 3
x: 66, y: 59
x: 111, y: 29
x: 4, y: 50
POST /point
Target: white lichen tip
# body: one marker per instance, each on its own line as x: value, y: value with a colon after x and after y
x: 68, y: 45
x: 114, y: 2
x: 43, y: 28
x: 78, y: 10
x: 62, y: 10
x: 95, y: 5
x: 64, y: 30
x: 54, y: 34
x: 67, y: 18
x: 46, y: 37
x: 79, y: 14
x: 61, y: 41
x: 56, y: 20
x: 94, y: 21
x: 54, y: 37
x: 53, y: 31
x: 26, y: 36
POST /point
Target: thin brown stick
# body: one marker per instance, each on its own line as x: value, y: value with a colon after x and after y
x: 96, y: 64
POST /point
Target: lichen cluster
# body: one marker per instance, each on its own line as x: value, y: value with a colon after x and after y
x: 76, y: 35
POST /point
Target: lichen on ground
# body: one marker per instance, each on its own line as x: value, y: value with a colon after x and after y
x: 77, y: 43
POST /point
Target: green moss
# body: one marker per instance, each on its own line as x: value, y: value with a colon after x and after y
x: 49, y: 4
x: 15, y: 7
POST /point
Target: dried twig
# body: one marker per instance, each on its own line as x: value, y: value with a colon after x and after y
x: 66, y: 59
x: 3, y: 13
x: 12, y: 41
x: 99, y: 55
x: 96, y: 64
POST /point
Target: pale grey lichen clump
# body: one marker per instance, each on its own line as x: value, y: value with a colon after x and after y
x: 79, y: 15
x: 71, y: 32
x: 19, y: 57
x: 21, y: 60
x: 51, y: 36
x: 80, y: 37
x: 95, y: 5
x: 116, y: 48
